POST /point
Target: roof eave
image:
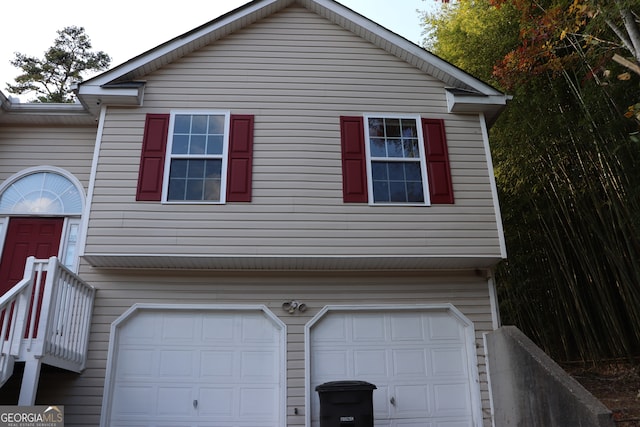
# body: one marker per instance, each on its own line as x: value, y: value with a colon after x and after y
x: 43, y: 113
x: 93, y: 97
x: 465, y: 102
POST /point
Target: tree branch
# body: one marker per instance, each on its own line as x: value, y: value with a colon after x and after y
x: 632, y: 30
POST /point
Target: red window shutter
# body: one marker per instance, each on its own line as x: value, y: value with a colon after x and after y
x: 240, y: 159
x: 354, y: 160
x: 437, y: 153
x: 154, y: 147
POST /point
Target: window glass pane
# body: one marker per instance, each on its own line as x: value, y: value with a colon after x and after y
x: 197, y: 144
x: 214, y: 144
x: 412, y: 171
x: 180, y: 144
x: 415, y: 192
x: 380, y: 191
x: 392, y: 127
x: 212, y: 189
x: 199, y: 124
x: 398, y: 191
x: 216, y: 125
x: 194, y: 189
x: 409, y: 128
x: 396, y: 171
x: 379, y: 171
x: 182, y: 124
x: 394, y: 148
x: 178, y: 168
x: 177, y: 189
x: 410, y: 147
x: 377, y: 147
x: 376, y: 127
x: 42, y: 193
x: 213, y: 168
x: 195, y: 169
x: 72, y: 241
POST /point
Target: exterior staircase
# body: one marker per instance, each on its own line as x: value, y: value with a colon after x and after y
x: 45, y: 318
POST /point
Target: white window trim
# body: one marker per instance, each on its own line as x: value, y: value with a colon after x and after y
x: 225, y: 157
x: 421, y: 149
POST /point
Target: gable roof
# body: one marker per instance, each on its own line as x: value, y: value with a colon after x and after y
x: 123, y: 85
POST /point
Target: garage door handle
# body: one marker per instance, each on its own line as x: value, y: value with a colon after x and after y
x: 393, y: 401
x: 195, y: 404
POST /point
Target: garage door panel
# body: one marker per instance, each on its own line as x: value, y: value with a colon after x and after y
x: 407, y: 327
x: 331, y: 364
x: 411, y: 401
x: 409, y: 363
x: 444, y: 327
x: 136, y: 363
x: 175, y: 401
x: 258, y: 366
x: 368, y: 328
x: 217, y: 372
x: 216, y: 365
x: 451, y: 399
x: 132, y: 400
x: 334, y: 330
x: 217, y: 402
x: 257, y: 330
x: 179, y: 329
x: 177, y: 364
x: 258, y: 402
x: 370, y: 363
x: 449, y: 362
x: 418, y: 360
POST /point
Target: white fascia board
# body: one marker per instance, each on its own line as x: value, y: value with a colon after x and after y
x: 125, y: 92
x: 467, y: 103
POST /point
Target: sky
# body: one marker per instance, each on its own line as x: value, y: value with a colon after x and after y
x: 125, y: 28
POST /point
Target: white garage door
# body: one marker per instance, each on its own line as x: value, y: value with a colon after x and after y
x: 420, y: 361
x: 194, y: 368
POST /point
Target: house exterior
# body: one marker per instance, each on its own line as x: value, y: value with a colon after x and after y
x: 287, y: 195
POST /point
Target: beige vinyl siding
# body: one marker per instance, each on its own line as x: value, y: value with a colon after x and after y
x: 68, y: 148
x: 297, y: 73
x: 120, y: 289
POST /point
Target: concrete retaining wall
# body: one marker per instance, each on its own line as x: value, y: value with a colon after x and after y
x: 530, y: 390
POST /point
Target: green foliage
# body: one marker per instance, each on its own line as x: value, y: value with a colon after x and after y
x: 63, y: 63
x: 567, y: 165
x: 465, y: 26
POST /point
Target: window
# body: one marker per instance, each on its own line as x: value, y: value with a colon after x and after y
x: 196, y: 165
x: 42, y: 193
x: 404, y: 161
x: 209, y: 158
x: 396, y: 166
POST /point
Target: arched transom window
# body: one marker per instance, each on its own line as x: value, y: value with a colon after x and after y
x: 42, y: 193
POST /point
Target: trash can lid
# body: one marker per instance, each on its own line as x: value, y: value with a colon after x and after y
x: 345, y: 386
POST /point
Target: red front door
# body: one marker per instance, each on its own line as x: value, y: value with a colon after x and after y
x: 39, y: 237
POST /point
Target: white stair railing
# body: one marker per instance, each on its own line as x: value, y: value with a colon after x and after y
x: 68, y: 302
x: 14, y: 307
x: 61, y: 334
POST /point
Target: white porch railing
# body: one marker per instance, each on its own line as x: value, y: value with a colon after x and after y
x: 56, y: 331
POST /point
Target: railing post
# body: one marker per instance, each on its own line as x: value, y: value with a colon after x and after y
x: 22, y: 306
x: 46, y: 307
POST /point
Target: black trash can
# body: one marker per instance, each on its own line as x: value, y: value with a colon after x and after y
x: 346, y: 404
